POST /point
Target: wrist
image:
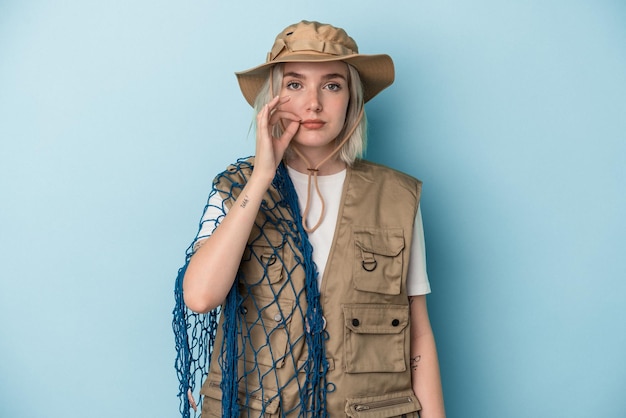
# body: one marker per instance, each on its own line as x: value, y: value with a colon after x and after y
x: 257, y: 184
x: 262, y: 177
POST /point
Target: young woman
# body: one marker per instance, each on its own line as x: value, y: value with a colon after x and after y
x: 311, y: 259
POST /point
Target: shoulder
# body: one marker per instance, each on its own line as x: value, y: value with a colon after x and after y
x: 237, y: 172
x: 380, y: 173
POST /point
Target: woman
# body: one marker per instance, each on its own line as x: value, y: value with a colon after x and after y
x: 311, y: 258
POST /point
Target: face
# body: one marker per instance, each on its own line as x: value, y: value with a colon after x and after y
x: 319, y: 94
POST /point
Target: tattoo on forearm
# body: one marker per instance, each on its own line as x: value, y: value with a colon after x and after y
x: 245, y: 201
x: 414, y: 361
x: 411, y: 298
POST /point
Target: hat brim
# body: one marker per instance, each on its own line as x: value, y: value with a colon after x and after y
x: 376, y: 72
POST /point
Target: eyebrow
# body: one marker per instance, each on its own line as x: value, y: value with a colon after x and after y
x: 325, y: 77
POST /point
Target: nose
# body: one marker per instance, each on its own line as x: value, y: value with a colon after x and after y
x: 315, y: 104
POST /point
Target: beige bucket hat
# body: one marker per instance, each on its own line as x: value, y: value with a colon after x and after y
x: 318, y: 42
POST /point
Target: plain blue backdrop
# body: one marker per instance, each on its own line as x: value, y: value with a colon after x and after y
x: 115, y: 115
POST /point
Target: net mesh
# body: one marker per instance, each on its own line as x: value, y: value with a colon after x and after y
x: 270, y: 350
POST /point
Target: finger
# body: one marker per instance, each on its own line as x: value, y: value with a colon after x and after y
x: 283, y: 100
x: 263, y: 116
x: 272, y: 104
x: 264, y: 111
x: 276, y: 102
x: 289, y: 132
x: 283, y: 114
x: 270, y: 109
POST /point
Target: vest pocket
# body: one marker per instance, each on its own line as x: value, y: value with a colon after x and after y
x: 267, y: 329
x: 378, y: 260
x: 265, y: 405
x: 374, y: 338
x: 397, y: 404
x: 262, y: 261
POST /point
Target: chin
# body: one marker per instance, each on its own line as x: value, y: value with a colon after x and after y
x: 314, y: 141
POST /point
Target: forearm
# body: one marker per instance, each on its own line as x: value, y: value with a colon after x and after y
x: 424, y: 362
x: 213, y: 268
x: 426, y: 377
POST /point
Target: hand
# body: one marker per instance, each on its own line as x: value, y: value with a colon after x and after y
x: 270, y: 150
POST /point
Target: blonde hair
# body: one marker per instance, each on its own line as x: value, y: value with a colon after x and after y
x: 356, y: 144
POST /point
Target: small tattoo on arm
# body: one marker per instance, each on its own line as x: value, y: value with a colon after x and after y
x: 414, y: 361
x: 245, y: 201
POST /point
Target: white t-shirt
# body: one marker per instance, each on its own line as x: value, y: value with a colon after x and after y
x: 321, y: 239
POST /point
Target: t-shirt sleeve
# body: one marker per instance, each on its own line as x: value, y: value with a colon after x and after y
x: 214, y: 212
x: 417, y: 279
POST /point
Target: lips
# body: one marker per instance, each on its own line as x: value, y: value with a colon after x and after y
x: 313, y: 123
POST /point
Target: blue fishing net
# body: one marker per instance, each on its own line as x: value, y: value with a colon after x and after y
x: 272, y: 327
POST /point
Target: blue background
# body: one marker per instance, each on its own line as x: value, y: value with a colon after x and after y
x: 115, y: 115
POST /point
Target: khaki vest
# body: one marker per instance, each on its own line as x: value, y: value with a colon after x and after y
x: 364, y: 301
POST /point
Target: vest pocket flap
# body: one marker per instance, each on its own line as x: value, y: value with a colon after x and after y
x: 263, y: 257
x: 267, y: 402
x: 378, y: 260
x: 376, y: 319
x: 265, y: 334
x: 388, y: 242
x: 272, y: 313
x: 266, y: 237
x: 395, y: 404
x: 211, y: 388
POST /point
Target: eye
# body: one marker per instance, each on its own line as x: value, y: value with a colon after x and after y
x: 293, y: 85
x: 333, y: 86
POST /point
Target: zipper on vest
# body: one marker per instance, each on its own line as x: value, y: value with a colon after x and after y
x: 382, y: 404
